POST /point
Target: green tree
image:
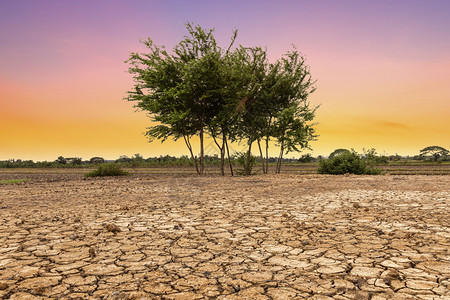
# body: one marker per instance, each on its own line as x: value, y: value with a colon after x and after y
x: 61, y: 160
x: 272, y: 103
x: 97, y: 160
x: 226, y: 92
x: 435, y: 151
x: 232, y: 95
x: 248, y: 105
x: 180, y: 91
x: 76, y: 161
x: 294, y: 129
x: 137, y: 160
x: 158, y: 79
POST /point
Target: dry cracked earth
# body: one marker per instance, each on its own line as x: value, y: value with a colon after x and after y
x: 260, y: 237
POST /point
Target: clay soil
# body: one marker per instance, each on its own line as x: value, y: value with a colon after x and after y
x: 261, y: 237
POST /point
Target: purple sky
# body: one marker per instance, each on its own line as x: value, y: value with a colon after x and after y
x: 382, y: 69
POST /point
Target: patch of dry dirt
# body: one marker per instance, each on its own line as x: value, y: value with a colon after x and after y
x: 261, y: 237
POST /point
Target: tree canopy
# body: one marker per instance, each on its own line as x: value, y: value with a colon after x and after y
x: 231, y: 94
x: 435, y: 151
x: 338, y: 152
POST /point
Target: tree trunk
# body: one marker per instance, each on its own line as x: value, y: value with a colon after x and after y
x: 249, y: 155
x: 188, y: 144
x: 222, y: 155
x: 262, y: 157
x: 202, y: 162
x: 280, y: 158
x: 267, y: 144
x: 229, y: 158
x: 267, y: 154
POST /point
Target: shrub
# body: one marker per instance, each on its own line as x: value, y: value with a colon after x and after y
x: 241, y: 159
x: 108, y: 169
x: 346, y: 162
x: 13, y: 181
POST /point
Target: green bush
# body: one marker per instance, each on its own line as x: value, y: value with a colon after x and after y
x: 338, y: 152
x: 108, y: 169
x: 13, y: 181
x: 241, y: 159
x: 347, y: 162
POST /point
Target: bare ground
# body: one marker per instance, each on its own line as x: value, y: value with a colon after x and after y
x: 260, y: 237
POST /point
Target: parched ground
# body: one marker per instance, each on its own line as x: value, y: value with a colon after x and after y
x: 260, y: 237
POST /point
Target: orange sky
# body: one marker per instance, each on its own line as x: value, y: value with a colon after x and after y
x: 382, y: 70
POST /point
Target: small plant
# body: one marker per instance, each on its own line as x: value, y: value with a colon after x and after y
x: 13, y: 181
x: 241, y: 159
x: 347, y: 162
x: 108, y: 169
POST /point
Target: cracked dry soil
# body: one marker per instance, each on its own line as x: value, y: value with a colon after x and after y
x: 259, y: 237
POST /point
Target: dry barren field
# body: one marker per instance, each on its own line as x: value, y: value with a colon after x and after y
x: 261, y: 237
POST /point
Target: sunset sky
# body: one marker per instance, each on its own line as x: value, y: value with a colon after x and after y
x: 382, y: 70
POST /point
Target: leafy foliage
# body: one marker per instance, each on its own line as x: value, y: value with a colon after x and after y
x: 97, y: 160
x: 436, y: 152
x: 347, y: 162
x: 338, y: 152
x: 241, y: 159
x: 180, y: 90
x: 61, y: 160
x: 108, y: 169
x: 231, y: 94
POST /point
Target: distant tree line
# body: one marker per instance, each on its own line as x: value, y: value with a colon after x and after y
x: 429, y: 154
x: 135, y: 161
